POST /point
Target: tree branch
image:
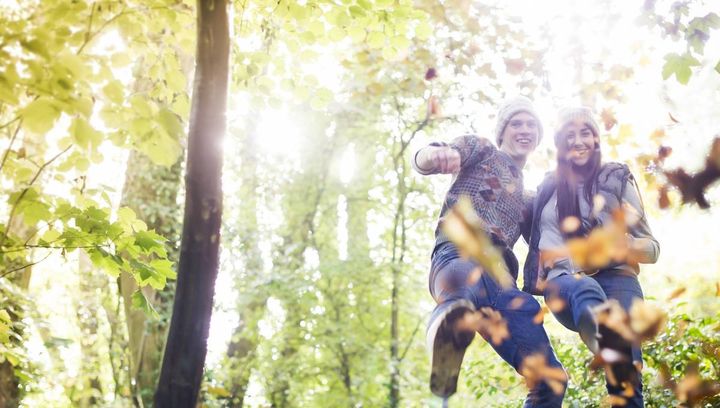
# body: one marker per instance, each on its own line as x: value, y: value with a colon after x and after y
x: 412, y: 337
x: 12, y: 140
x: 22, y: 194
x: 19, y: 268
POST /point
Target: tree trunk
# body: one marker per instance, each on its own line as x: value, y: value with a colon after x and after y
x: 184, y: 358
x: 398, y: 258
x: 151, y: 191
x: 241, y: 349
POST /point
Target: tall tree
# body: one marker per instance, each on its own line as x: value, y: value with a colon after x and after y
x: 186, y: 348
x: 151, y: 191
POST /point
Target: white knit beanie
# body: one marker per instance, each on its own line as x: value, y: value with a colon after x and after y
x: 509, y: 108
x: 570, y: 114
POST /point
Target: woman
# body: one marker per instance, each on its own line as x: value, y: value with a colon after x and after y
x: 586, y: 190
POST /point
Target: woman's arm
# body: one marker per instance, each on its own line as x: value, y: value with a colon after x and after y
x: 642, y: 245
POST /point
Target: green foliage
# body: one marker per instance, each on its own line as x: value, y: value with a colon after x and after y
x: 687, y: 341
x: 681, y: 23
x: 14, y: 357
x: 680, y: 66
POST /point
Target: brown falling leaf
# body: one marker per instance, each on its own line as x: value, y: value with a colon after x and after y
x: 464, y: 228
x: 692, y: 186
x: 611, y: 315
x: 598, y: 204
x: 615, y: 401
x: 431, y: 74
x: 608, y: 118
x: 570, y: 224
x: 518, y: 302
x: 676, y: 293
x: 555, y: 305
x: 515, y: 66
x: 628, y: 390
x: 474, y: 276
x: 433, y: 107
x: 657, y: 135
x: 663, y: 153
x: 534, y: 369
x: 540, y: 316
x: 646, y: 320
x: 491, y: 325
x: 692, y: 389
x: 663, y: 198
x: 602, y: 245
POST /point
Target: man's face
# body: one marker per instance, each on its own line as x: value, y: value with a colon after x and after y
x: 520, y: 136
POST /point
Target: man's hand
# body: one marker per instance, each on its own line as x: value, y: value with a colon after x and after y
x: 439, y: 159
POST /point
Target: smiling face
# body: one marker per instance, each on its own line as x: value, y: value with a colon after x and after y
x: 580, y: 142
x: 520, y: 136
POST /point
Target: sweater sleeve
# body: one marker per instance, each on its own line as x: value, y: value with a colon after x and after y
x: 413, y: 162
x: 643, y: 242
x: 473, y: 149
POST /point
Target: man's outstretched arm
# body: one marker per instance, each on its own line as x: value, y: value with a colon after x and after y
x: 436, y: 159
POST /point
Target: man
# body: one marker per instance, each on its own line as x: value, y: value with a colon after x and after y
x: 492, y: 179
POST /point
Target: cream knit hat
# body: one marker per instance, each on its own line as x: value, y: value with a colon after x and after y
x: 508, y: 109
x: 570, y: 114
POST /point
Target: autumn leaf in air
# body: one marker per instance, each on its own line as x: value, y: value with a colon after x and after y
x: 430, y: 74
x: 464, y: 228
x: 535, y: 370
x: 608, y: 118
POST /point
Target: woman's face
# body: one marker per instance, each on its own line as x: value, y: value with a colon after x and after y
x: 580, y: 142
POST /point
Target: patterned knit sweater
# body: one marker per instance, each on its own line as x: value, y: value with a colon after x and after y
x: 492, y: 181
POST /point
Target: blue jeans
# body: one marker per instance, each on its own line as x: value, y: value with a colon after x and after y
x: 581, y: 295
x: 449, y: 281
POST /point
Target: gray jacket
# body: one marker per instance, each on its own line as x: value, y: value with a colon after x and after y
x: 611, y: 184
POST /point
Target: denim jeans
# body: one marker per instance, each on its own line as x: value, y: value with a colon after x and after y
x: 582, y: 294
x: 449, y: 281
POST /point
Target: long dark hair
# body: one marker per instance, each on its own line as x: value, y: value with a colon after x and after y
x: 568, y: 204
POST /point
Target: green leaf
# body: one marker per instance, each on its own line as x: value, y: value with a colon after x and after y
x: 37, y: 47
x: 680, y: 66
x: 321, y: 99
x: 171, y: 123
x: 356, y: 33
x: 219, y: 392
x: 383, y: 4
x: 39, y: 116
x: 376, y: 40
x: 164, y: 267
x: 139, y: 301
x: 7, y: 92
x: 423, y: 31
x: 356, y: 11
x: 114, y: 91
x: 12, y: 358
x: 84, y: 134
x: 5, y: 316
x: 51, y: 235
x: 4, y: 333
x: 400, y: 42
x: 120, y: 59
x: 34, y: 211
x: 717, y: 67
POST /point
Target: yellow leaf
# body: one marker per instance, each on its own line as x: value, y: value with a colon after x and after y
x: 219, y: 392
x: 375, y: 39
x: 464, y: 228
